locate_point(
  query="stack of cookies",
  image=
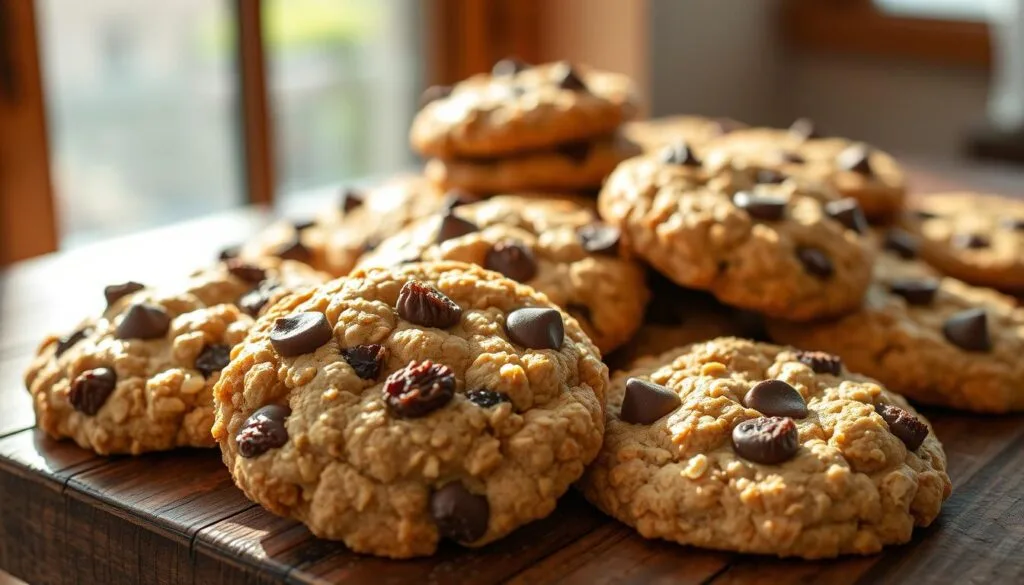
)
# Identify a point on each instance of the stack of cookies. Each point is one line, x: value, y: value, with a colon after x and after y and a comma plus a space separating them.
x: 550, y: 127
x: 453, y: 382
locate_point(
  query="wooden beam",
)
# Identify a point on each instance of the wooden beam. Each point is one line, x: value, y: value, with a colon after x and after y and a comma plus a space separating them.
x: 256, y: 128
x: 28, y: 226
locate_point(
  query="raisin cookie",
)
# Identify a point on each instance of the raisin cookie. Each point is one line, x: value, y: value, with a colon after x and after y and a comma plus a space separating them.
x: 654, y: 134
x: 140, y: 377
x: 521, y: 108
x: 356, y: 222
x: 576, y: 166
x: 397, y: 407
x: 556, y: 245
x: 935, y: 340
x: 976, y: 238
x: 783, y: 249
x: 749, y: 447
x: 853, y: 169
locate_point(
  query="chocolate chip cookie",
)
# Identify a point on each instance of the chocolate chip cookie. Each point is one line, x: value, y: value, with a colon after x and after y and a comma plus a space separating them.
x: 976, y: 238
x: 556, y: 245
x: 780, y: 248
x: 749, y: 447
x: 397, y: 407
x: 867, y: 174
x: 355, y: 222
x: 654, y: 134
x: 575, y: 166
x: 935, y: 340
x: 140, y: 376
x: 522, y: 108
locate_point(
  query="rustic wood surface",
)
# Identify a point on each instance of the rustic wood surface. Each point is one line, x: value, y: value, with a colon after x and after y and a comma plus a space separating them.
x: 68, y: 516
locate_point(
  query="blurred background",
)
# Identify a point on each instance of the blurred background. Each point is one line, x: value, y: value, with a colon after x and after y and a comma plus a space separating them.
x: 121, y: 115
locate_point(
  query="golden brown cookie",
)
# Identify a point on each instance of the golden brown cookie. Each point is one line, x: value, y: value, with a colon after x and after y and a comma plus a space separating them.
x: 140, y: 376
x: 522, y: 109
x: 750, y: 447
x: 394, y: 408
x: 555, y: 244
x: 656, y: 133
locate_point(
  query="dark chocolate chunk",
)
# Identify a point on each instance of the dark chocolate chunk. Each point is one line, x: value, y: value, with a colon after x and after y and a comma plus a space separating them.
x: 970, y: 241
x: 902, y: 243
x: 848, y: 212
x: 645, y: 402
x: 300, y: 333
x: 536, y: 328
x: 459, y: 514
x: 776, y: 398
x: 856, y: 158
x: 907, y: 427
x: 821, y: 362
x: 679, y: 153
x: 68, y: 341
x: 263, y: 430
x: 815, y: 262
x: 764, y: 207
x: 213, y: 358
x: 142, y: 321
x: 600, y: 238
x: 366, y: 360
x: 766, y: 440
x: 453, y: 226
x: 245, y: 271
x: 116, y: 292
x: 914, y: 290
x: 567, y: 78
x: 91, y: 389
x: 968, y: 330
x: 512, y: 259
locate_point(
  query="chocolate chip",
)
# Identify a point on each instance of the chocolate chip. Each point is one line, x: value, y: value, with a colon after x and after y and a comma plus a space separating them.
x: 776, y: 398
x: 924, y: 214
x: 1013, y: 223
x: 253, y: 301
x: 351, y: 199
x: 645, y: 402
x: 915, y: 291
x: 679, y: 153
x: 366, y: 360
x: 453, y: 226
x: 143, y: 321
x: 848, y: 212
x: 91, y: 389
x: 294, y: 250
x: 536, y: 328
x: 766, y: 207
x: 803, y: 128
x: 245, y: 271
x: 855, y: 158
x: 512, y: 259
x: 907, y: 427
x: 263, y: 430
x: 456, y: 198
x: 68, y: 341
x: 821, y: 362
x: 769, y: 177
x: 419, y: 389
x: 965, y: 241
x: 230, y: 252
x: 792, y: 157
x: 434, y: 93
x: 486, y: 398
x: 302, y: 224
x: 903, y: 243
x: 767, y: 440
x: 116, y: 292
x: 508, y: 66
x: 600, y: 238
x: 815, y: 262
x: 213, y: 358
x: 577, y: 152
x: 300, y: 333
x: 424, y: 305
x: 567, y: 78
x: 459, y: 514
x: 968, y: 330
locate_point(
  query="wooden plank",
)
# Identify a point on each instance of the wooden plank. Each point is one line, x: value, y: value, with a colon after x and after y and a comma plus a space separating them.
x: 28, y: 226
x: 252, y: 546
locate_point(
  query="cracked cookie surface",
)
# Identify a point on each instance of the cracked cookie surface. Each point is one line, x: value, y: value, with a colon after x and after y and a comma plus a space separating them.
x: 555, y: 244
x: 820, y: 462
x: 935, y: 340
x: 772, y: 247
x: 140, y: 376
x: 534, y: 108
x: 398, y: 406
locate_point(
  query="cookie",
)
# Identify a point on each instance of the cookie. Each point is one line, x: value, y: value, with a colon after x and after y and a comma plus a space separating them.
x: 556, y: 245
x: 522, y: 109
x: 750, y: 447
x: 935, y: 340
x: 575, y: 166
x: 140, y: 376
x: 976, y: 238
x: 854, y: 169
x: 397, y: 407
x: 656, y: 133
x: 783, y: 249
x: 356, y: 222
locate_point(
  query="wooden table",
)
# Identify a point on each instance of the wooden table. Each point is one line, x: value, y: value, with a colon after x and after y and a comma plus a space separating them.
x: 68, y: 516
